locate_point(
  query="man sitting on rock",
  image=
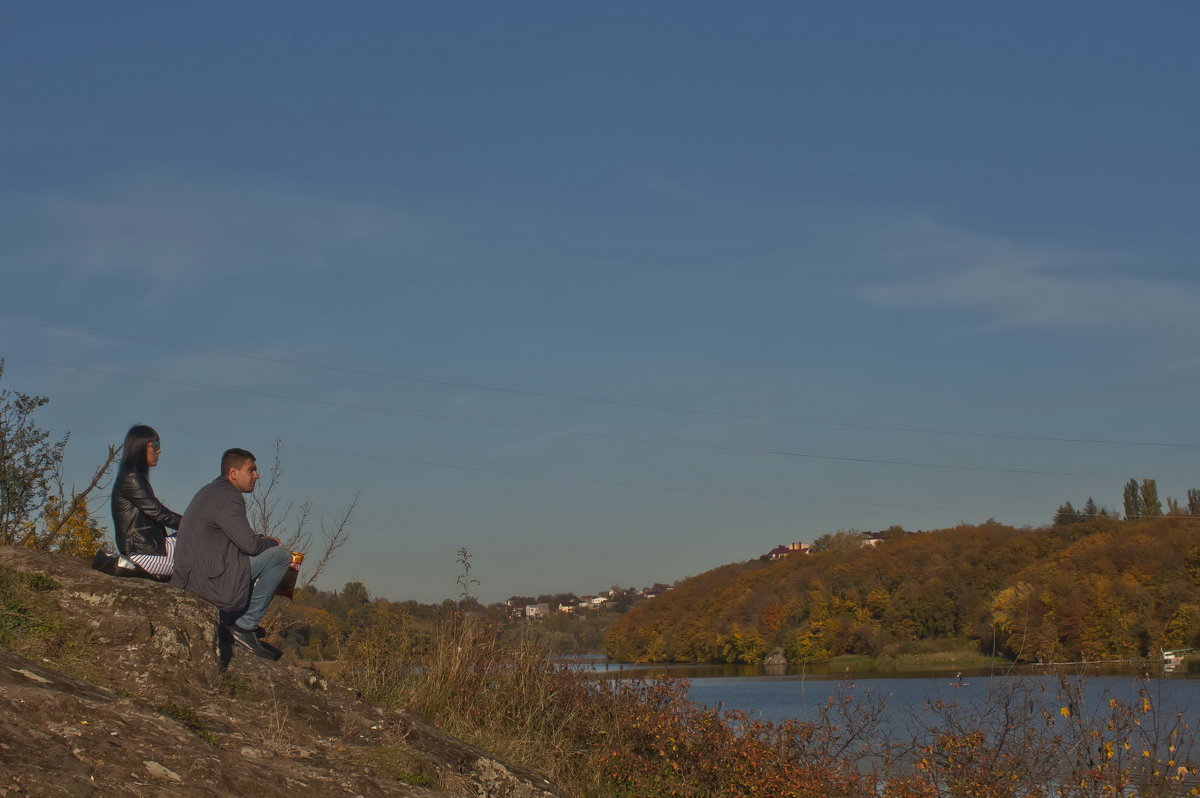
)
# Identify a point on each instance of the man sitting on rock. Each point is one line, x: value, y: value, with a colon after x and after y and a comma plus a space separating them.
x: 221, y: 559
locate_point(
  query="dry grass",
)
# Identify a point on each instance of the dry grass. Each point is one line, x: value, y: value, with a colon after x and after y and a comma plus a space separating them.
x: 34, y: 626
x: 603, y: 739
x: 596, y: 738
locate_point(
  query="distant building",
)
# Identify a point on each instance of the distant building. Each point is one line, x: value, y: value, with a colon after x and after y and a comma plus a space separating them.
x: 537, y: 611
x: 779, y: 552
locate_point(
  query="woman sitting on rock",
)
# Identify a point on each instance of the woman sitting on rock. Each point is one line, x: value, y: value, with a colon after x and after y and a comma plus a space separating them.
x: 140, y: 520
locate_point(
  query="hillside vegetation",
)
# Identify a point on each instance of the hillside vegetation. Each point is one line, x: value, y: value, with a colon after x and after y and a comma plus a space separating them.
x: 124, y: 687
x: 1100, y: 589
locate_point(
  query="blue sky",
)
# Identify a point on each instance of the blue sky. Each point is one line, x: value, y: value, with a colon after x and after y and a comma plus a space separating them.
x: 490, y: 259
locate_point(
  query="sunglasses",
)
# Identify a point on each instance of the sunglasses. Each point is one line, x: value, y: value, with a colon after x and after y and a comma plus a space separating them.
x: 156, y: 446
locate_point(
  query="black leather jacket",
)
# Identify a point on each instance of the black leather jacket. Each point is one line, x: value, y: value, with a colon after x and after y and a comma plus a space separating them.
x: 139, y: 518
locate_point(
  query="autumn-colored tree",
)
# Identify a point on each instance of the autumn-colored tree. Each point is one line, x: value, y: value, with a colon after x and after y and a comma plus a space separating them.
x: 35, y: 509
x: 79, y: 533
x: 1116, y: 593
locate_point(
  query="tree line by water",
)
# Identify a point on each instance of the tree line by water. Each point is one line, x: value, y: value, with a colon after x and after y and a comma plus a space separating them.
x: 1093, y: 589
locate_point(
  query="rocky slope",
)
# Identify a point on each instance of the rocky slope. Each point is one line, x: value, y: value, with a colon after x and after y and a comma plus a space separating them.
x: 126, y: 692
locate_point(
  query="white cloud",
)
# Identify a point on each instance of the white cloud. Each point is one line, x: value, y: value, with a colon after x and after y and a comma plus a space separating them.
x: 1016, y: 286
x: 175, y: 231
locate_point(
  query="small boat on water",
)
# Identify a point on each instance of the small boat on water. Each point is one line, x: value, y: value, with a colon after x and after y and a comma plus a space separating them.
x: 958, y: 682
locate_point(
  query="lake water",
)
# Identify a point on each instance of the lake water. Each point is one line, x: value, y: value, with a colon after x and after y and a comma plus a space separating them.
x: 915, y: 705
x: 778, y: 693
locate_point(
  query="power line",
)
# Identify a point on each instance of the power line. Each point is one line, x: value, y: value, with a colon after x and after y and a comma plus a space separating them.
x: 600, y: 401
x: 583, y: 480
x: 591, y: 481
x: 564, y: 431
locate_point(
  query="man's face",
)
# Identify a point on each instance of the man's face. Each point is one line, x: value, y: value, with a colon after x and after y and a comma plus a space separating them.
x: 245, y: 476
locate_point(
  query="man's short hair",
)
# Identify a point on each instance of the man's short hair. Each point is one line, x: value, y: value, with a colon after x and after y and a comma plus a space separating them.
x: 235, y: 458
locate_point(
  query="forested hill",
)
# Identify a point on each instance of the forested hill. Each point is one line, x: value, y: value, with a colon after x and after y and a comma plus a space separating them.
x: 1100, y: 589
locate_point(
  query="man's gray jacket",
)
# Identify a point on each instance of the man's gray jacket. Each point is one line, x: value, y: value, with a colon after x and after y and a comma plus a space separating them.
x: 212, y: 555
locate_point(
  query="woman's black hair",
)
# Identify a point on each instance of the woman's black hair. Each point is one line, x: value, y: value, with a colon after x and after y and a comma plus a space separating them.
x: 134, y: 456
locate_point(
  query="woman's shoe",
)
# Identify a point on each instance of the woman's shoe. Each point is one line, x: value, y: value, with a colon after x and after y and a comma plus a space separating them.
x: 105, y: 563
x: 116, y: 565
x: 141, y: 573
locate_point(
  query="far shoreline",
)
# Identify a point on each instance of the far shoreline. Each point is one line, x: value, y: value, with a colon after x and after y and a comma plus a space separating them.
x: 939, y: 665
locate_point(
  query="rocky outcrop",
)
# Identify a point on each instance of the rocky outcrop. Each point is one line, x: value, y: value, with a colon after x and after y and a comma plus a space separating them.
x: 141, y: 700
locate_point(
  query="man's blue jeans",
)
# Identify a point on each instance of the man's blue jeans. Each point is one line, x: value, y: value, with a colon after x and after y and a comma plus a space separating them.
x: 266, y: 570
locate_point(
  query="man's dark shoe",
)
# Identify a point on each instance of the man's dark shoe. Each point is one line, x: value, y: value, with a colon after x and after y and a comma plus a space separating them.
x: 249, y: 641
x: 144, y: 574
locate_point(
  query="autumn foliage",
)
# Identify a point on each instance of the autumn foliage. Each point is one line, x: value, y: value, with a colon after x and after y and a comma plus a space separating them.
x: 1101, y: 589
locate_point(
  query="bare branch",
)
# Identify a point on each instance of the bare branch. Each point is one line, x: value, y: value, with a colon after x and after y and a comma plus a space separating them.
x: 263, y: 502
x: 335, y: 538
x: 77, y: 502
x: 301, y: 538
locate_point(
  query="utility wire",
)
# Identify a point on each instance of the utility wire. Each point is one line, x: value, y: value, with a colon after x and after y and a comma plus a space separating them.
x: 564, y: 431
x: 599, y: 401
x: 584, y: 480
x: 590, y: 481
